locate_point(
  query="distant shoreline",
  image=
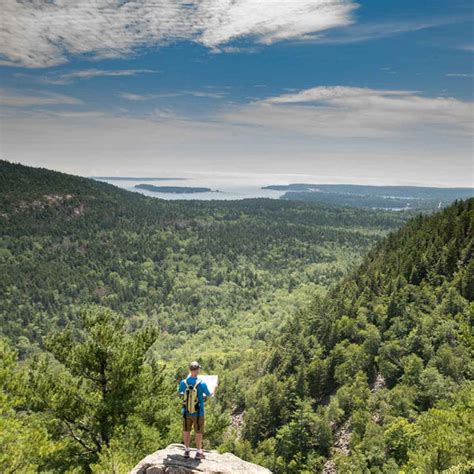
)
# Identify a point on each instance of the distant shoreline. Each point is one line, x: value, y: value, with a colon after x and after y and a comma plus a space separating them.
x: 393, y: 198
x: 347, y: 187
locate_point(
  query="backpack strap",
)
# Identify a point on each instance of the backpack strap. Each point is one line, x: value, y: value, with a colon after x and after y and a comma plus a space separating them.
x: 198, y: 405
x: 185, y: 399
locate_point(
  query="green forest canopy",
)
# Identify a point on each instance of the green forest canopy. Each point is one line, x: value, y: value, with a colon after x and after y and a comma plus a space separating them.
x: 385, y: 355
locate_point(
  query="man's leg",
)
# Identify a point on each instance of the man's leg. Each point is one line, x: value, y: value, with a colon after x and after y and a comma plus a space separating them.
x: 199, y: 431
x: 186, y: 436
x: 186, y: 439
x: 199, y: 441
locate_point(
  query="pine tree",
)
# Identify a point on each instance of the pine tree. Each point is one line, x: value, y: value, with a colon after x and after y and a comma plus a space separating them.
x: 94, y: 381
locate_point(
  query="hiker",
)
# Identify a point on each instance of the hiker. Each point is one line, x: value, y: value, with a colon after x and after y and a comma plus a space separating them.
x: 194, y: 392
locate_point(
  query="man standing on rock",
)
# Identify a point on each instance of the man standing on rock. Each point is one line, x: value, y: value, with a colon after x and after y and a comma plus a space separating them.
x: 194, y: 392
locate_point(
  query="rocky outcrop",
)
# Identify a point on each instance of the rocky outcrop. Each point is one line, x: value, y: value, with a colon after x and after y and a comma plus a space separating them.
x: 171, y: 461
x: 237, y: 422
x: 342, y: 437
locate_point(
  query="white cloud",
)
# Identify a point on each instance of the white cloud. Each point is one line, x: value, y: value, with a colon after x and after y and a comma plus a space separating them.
x: 209, y: 95
x: 269, y: 20
x: 135, y: 97
x: 41, y: 34
x: 13, y: 99
x: 370, y: 31
x: 144, y: 97
x: 68, y: 77
x: 460, y: 74
x: 346, y: 112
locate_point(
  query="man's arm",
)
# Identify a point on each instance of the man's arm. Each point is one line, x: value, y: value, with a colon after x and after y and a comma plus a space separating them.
x: 181, y: 388
x: 205, y: 390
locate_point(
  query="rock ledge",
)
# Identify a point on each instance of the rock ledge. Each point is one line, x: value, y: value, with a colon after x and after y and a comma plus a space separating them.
x: 171, y: 461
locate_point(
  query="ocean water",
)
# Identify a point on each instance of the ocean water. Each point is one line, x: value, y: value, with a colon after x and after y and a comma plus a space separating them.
x: 229, y: 188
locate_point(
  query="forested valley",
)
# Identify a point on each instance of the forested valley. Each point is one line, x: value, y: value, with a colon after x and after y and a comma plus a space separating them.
x: 342, y: 337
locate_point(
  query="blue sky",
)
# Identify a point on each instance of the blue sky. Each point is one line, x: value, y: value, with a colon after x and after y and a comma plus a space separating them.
x: 339, y: 91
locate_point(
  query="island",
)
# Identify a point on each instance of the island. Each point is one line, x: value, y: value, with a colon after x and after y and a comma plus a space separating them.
x: 173, y: 189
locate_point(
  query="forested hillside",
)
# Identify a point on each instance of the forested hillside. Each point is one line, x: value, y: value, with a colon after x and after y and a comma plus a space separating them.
x: 213, y: 269
x: 324, y: 352
x: 377, y: 374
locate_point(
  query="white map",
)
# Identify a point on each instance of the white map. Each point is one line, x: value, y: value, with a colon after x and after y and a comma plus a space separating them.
x: 211, y: 381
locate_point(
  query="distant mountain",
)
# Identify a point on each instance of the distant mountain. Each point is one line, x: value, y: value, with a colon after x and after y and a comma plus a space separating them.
x: 382, y: 197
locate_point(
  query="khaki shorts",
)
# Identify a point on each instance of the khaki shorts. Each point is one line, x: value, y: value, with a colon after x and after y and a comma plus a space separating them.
x: 193, y: 421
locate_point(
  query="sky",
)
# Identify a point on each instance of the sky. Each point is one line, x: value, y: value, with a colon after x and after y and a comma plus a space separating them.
x: 335, y: 91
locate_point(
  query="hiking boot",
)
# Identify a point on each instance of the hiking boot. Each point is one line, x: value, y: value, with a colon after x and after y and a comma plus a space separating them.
x: 186, y: 454
x: 200, y: 455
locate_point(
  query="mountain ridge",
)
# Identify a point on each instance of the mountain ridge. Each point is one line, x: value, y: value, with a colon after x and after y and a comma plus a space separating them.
x: 404, y: 317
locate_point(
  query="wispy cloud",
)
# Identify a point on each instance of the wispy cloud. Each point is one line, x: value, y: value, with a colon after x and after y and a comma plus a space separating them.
x: 460, y: 74
x: 41, y: 34
x: 14, y: 99
x: 270, y: 20
x: 209, y: 95
x: 346, y: 112
x: 145, y: 97
x: 136, y: 97
x: 358, y: 33
x: 68, y: 77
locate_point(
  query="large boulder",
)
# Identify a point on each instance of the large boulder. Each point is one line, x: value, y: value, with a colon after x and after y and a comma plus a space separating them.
x: 171, y: 461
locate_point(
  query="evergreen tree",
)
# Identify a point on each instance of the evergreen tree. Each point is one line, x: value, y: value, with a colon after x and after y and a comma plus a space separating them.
x: 95, y: 383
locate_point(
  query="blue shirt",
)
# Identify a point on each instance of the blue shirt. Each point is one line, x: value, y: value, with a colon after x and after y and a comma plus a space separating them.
x: 202, y: 391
